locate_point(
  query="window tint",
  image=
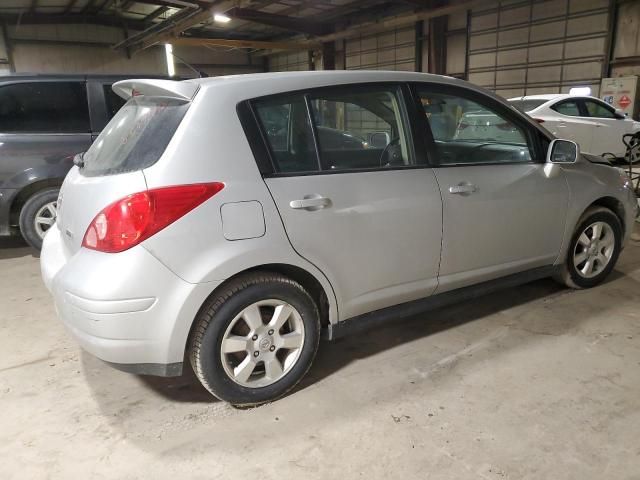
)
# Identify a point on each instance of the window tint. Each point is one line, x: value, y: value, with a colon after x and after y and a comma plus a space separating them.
x: 285, y: 123
x: 527, y: 105
x: 569, y: 108
x: 360, y: 128
x: 598, y: 110
x: 44, y: 107
x: 112, y: 100
x: 136, y: 136
x: 466, y: 132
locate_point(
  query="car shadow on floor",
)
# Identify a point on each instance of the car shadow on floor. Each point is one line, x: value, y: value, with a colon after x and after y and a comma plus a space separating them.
x: 16, y: 247
x: 333, y: 356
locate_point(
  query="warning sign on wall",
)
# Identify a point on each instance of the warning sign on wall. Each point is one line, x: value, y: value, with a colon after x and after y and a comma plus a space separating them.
x: 620, y: 93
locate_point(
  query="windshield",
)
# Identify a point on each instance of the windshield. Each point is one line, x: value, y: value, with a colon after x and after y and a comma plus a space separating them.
x: 527, y: 105
x: 136, y: 136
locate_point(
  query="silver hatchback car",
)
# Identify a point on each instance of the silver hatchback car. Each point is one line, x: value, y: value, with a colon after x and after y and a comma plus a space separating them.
x: 233, y: 221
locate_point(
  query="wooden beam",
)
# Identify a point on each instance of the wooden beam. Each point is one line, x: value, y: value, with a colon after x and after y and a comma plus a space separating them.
x: 253, y: 44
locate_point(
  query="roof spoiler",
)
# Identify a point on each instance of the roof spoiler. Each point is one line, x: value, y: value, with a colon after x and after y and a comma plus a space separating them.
x: 184, y: 91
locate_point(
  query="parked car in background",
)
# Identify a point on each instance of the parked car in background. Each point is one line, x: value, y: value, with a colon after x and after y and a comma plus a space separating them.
x: 45, y: 120
x: 211, y: 220
x: 595, y: 125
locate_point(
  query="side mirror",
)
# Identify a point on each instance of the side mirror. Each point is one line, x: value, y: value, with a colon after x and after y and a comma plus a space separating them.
x: 563, y: 151
x: 379, y: 139
x: 620, y: 114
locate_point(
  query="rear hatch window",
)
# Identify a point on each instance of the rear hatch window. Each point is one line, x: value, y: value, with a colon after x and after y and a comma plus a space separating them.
x: 136, y: 136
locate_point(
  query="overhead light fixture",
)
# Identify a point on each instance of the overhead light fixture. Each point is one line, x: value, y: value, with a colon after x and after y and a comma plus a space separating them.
x: 221, y: 18
x: 582, y: 91
x: 168, y: 51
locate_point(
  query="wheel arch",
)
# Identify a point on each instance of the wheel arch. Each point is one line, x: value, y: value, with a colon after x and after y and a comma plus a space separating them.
x: 27, y: 192
x: 325, y: 300
x: 612, y: 204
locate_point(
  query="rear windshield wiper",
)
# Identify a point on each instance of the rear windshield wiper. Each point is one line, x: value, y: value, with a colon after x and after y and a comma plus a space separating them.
x: 78, y: 160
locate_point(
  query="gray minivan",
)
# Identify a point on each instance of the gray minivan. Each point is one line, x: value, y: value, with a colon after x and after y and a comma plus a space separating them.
x: 45, y: 120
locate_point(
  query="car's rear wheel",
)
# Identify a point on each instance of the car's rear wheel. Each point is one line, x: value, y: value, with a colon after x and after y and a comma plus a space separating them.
x: 594, y: 249
x: 255, y: 340
x: 37, y: 216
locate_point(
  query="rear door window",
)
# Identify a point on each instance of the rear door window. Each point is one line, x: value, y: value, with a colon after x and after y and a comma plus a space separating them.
x: 597, y: 110
x: 44, y: 107
x: 136, y: 136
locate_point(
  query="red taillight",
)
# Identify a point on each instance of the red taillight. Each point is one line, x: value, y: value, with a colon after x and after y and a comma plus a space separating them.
x: 130, y: 220
x: 539, y: 120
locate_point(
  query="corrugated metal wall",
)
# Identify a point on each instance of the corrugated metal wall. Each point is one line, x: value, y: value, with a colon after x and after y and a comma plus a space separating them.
x: 289, y: 62
x: 394, y: 50
x: 533, y: 46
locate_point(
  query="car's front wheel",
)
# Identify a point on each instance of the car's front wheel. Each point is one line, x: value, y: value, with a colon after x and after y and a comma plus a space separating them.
x: 254, y: 340
x: 594, y: 249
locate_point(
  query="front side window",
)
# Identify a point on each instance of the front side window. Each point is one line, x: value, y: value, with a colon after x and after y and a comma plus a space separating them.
x: 466, y: 132
x: 44, y: 107
x: 569, y: 108
x: 598, y: 110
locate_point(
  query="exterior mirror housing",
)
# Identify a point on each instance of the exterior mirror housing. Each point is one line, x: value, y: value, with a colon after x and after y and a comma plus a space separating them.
x: 563, y: 151
x: 620, y: 114
x: 379, y: 139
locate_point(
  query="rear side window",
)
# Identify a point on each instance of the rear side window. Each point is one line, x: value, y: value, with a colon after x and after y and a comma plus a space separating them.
x: 285, y: 123
x: 113, y: 101
x: 526, y: 105
x: 569, y: 108
x: 136, y: 136
x: 44, y: 107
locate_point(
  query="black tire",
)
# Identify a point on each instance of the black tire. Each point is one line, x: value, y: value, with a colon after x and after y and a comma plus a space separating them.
x: 217, y: 314
x: 569, y: 274
x: 28, y: 215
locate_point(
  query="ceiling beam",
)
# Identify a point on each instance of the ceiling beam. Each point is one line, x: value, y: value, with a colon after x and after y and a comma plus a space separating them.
x: 70, y: 19
x: 384, y: 25
x: 170, y: 30
x: 296, y: 24
x: 252, y: 44
x: 155, y: 14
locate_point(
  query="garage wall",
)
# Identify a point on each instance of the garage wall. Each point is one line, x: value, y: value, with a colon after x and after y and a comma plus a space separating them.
x: 626, y: 52
x: 289, y: 61
x: 533, y: 46
x: 87, y: 49
x: 393, y: 50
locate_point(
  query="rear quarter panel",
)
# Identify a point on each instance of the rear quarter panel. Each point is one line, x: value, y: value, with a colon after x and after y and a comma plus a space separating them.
x: 210, y: 146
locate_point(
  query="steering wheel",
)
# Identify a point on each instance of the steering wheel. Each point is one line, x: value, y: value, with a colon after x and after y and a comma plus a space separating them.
x: 386, y: 149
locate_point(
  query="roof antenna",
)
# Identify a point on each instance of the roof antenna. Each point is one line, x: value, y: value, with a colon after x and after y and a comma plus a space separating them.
x: 200, y: 73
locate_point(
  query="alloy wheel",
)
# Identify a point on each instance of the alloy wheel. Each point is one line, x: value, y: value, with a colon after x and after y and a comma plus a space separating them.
x: 594, y: 249
x: 262, y: 343
x: 45, y: 217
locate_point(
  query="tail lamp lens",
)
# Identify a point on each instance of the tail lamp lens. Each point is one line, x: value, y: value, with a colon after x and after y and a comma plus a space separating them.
x: 134, y: 218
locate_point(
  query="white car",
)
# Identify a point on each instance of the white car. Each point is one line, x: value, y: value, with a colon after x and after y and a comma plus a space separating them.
x: 595, y: 125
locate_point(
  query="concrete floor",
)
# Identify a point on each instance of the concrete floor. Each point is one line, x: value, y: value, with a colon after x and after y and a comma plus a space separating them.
x: 535, y: 382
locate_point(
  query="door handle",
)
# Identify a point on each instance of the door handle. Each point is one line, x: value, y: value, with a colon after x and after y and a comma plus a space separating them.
x: 463, y: 189
x: 310, y: 203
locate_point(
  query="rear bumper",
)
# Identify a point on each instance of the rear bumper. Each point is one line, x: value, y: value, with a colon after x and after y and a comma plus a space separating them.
x: 127, y: 309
